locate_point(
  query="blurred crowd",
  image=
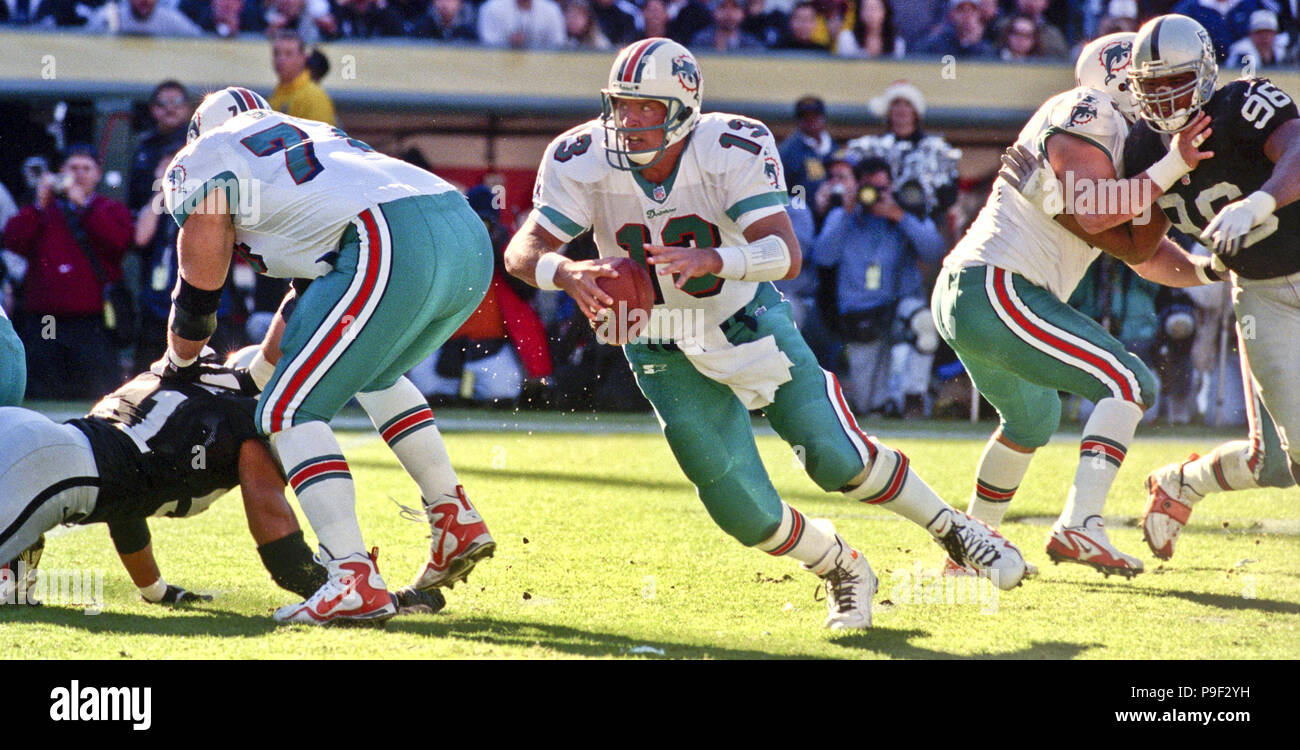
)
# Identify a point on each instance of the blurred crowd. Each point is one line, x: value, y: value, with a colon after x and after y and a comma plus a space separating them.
x: 1264, y: 31
x: 88, y: 279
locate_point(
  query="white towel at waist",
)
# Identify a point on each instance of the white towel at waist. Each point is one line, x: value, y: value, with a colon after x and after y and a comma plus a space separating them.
x: 752, y: 371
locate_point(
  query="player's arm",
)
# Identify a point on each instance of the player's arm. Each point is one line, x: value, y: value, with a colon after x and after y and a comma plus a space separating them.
x: 207, y: 239
x: 1087, y: 168
x: 533, y: 256
x: 135, y: 550
x: 1171, y: 265
x: 274, y: 527
x: 773, y: 254
x: 1283, y: 149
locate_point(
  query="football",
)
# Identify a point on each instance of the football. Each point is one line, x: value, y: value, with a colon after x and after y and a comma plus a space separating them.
x: 633, y: 299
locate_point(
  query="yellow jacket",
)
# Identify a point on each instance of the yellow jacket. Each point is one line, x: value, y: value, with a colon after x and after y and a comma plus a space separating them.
x: 303, y: 97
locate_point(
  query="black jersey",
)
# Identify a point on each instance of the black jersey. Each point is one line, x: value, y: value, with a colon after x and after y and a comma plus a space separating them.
x: 1243, y: 115
x: 167, y: 448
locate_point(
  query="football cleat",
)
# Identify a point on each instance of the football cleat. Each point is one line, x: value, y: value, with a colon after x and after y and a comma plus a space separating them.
x: 412, y: 601
x: 1089, y: 545
x: 460, y: 539
x: 354, y: 594
x: 1167, y: 508
x: 850, y: 585
x: 969, y: 542
x: 951, y: 568
x: 19, y: 575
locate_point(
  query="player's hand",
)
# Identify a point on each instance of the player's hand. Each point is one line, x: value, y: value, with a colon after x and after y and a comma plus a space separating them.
x: 1188, y: 142
x: 166, y: 369
x: 685, y: 263
x: 1031, y: 176
x: 577, y: 278
x: 1227, y: 231
x: 177, y: 595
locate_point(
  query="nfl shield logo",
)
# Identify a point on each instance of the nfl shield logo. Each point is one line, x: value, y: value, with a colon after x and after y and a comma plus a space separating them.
x: 660, y: 193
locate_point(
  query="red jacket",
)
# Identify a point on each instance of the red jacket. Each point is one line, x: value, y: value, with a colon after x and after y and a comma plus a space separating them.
x: 59, y: 278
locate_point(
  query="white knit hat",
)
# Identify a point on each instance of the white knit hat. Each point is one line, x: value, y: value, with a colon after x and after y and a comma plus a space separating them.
x: 898, y: 90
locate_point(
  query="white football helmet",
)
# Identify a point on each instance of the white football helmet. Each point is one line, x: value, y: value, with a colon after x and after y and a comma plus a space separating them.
x: 240, y: 359
x: 1103, y: 65
x: 658, y: 69
x: 1167, y: 46
x: 220, y: 106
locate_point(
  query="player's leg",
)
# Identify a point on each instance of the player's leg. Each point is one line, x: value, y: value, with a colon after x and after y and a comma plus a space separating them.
x: 462, y: 270
x: 811, y: 414
x: 1272, y: 310
x: 47, y: 477
x: 1258, y: 461
x: 710, y: 434
x: 13, y: 365
x: 1024, y: 329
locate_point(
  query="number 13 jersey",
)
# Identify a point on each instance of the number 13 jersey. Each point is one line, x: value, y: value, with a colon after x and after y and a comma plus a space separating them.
x: 728, y: 176
x: 1243, y: 114
x: 293, y: 186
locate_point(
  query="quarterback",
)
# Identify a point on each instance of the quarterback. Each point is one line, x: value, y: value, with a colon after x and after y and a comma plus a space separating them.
x: 699, y: 199
x: 1000, y: 303
x: 1242, y: 203
x: 151, y: 448
x: 397, y: 261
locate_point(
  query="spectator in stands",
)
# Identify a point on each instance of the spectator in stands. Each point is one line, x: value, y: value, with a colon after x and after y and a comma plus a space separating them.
x: 408, y: 15
x: 521, y: 24
x: 309, y: 19
x: 870, y: 250
x: 226, y: 18
x: 766, y: 24
x: 800, y: 32
x: 21, y: 12
x: 1263, y: 47
x: 832, y: 16
x: 170, y: 108
x: 872, y: 34
x: 1226, y: 21
x: 1019, y: 39
x: 725, y: 34
x: 296, y: 94
x: 62, y: 300
x: 1050, y: 40
x: 804, y: 153
x: 687, y: 18
x: 144, y: 17
x: 962, y: 35
x: 580, y: 28
x: 916, y: 19
x: 837, y: 190
x: 448, y: 20
x: 654, y: 17
x: 363, y: 19
x: 618, y: 21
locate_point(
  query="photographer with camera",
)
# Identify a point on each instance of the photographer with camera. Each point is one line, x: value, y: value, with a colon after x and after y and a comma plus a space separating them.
x: 871, y: 291
x: 73, y: 239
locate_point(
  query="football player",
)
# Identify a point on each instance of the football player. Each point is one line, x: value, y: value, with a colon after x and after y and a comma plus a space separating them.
x: 154, y: 447
x: 699, y: 200
x: 397, y: 261
x: 1000, y: 302
x: 1242, y: 204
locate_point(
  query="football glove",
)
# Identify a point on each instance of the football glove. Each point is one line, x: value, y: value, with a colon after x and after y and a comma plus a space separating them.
x: 1227, y: 231
x: 177, y: 595
x: 167, y: 369
x: 1033, y: 178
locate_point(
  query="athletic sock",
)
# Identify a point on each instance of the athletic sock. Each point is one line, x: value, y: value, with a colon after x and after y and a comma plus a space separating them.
x: 996, y: 481
x: 806, y: 542
x: 1105, y: 442
x: 291, y: 565
x: 1224, y: 469
x: 890, y: 482
x: 319, y: 475
x: 403, y: 418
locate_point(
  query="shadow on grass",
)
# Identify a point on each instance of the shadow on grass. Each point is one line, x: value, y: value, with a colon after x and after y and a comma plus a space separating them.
x: 209, y: 622
x: 897, y: 644
x: 1221, y: 601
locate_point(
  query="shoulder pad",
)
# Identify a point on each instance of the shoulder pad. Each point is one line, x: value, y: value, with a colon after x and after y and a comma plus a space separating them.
x: 579, y: 153
x: 1086, y: 112
x: 718, y: 155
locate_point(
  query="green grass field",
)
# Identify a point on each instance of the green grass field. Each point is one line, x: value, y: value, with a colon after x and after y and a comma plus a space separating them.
x: 605, y: 552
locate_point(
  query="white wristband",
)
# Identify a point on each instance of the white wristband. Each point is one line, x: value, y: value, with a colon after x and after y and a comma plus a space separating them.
x: 260, y: 370
x: 545, y: 270
x: 154, y: 592
x: 1168, y: 170
x: 766, y: 259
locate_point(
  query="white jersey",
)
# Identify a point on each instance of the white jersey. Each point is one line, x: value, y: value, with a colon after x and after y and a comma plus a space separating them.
x: 293, y: 185
x: 729, y: 176
x: 1012, y: 233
